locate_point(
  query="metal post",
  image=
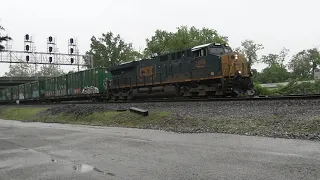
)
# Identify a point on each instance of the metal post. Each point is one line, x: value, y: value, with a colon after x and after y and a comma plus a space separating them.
x: 91, y: 61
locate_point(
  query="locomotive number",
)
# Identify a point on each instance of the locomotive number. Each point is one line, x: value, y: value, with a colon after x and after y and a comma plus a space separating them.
x: 146, y: 71
x: 201, y: 63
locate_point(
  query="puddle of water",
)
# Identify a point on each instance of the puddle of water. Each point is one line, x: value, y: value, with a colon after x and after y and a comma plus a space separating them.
x: 86, y: 168
x: 83, y: 168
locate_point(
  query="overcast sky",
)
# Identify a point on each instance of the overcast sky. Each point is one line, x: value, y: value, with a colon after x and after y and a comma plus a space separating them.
x: 274, y: 23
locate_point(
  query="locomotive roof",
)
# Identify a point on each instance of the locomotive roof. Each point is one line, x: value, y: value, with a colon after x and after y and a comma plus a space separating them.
x: 200, y: 46
x: 132, y: 63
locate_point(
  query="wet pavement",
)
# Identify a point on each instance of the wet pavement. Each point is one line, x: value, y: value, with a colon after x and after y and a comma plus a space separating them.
x: 56, y: 151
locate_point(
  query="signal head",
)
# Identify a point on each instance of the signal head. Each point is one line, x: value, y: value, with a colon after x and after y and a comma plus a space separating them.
x: 27, y: 47
x: 27, y: 37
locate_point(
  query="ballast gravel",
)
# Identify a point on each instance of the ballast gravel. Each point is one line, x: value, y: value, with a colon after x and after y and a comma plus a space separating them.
x: 272, y: 118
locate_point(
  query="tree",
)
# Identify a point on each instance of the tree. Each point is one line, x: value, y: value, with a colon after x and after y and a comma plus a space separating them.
x: 274, y: 73
x: 276, y: 70
x: 314, y: 56
x: 20, y: 70
x: 249, y: 49
x: 304, y: 63
x: 50, y: 70
x: 275, y: 59
x: 27, y: 70
x: 3, y: 38
x: 159, y: 43
x: 111, y: 50
x: 163, y: 42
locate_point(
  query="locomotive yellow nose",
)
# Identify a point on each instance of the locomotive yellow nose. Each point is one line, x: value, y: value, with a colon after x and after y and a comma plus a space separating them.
x: 232, y: 64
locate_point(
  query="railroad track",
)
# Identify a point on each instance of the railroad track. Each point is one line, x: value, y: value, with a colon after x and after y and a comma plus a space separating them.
x: 256, y: 98
x: 287, y: 97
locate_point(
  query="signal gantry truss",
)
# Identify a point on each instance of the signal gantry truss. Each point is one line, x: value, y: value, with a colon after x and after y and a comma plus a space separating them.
x: 44, y: 58
x: 30, y: 56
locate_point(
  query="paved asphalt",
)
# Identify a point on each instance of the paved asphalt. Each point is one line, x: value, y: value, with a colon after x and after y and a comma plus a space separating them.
x: 32, y: 151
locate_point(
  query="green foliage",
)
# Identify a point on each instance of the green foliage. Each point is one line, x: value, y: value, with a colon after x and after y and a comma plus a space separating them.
x: 3, y: 38
x: 262, y: 90
x: 50, y: 70
x: 292, y: 88
x: 300, y: 88
x: 304, y: 63
x: 20, y: 70
x: 275, y: 73
x: 110, y: 50
x: 24, y: 69
x: 249, y: 49
x: 275, y: 59
x: 163, y: 42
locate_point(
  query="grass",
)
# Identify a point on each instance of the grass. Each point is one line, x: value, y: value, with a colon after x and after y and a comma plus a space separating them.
x: 273, y: 126
x: 107, y: 118
x: 19, y: 113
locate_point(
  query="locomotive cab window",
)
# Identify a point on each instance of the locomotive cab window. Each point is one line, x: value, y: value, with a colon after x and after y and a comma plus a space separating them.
x: 227, y: 49
x: 216, y: 50
x: 200, y: 53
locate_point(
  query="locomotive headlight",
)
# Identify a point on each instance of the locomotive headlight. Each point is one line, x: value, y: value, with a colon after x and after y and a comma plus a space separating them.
x: 238, y: 72
x: 236, y: 56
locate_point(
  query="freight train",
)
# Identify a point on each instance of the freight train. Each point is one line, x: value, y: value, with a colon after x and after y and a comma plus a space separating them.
x: 207, y: 70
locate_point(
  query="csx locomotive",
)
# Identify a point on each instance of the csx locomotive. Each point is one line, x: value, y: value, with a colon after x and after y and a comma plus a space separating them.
x: 203, y: 71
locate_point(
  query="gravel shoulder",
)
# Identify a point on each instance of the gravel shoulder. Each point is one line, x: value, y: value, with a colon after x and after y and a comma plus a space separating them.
x: 297, y: 119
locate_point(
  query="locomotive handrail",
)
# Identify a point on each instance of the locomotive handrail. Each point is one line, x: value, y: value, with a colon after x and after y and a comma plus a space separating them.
x: 231, y: 68
x: 225, y: 68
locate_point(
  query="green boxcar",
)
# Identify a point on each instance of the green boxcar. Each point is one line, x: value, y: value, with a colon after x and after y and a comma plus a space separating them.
x: 2, y: 95
x: 15, y: 93
x: 61, y: 85
x: 28, y: 90
x: 21, y: 91
x: 37, y: 89
x: 76, y: 82
x: 6, y: 94
x: 49, y: 87
x: 95, y: 78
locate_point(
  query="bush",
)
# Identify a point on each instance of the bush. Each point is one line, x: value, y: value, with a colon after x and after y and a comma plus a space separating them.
x: 293, y: 88
x: 296, y: 88
x: 261, y: 90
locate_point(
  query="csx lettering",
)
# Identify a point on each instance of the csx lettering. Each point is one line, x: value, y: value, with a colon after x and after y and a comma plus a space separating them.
x: 146, y: 71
